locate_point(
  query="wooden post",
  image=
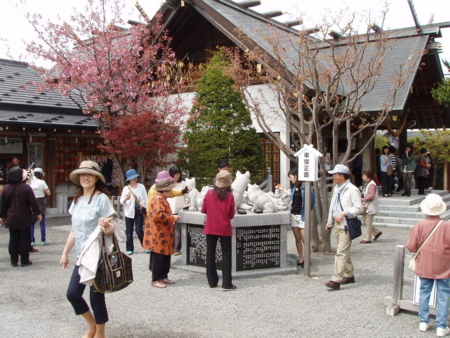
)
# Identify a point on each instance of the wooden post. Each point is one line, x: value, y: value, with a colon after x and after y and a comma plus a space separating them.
x: 397, y: 292
x: 307, y: 244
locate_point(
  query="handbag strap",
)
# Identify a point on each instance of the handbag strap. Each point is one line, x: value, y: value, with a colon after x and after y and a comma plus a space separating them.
x: 429, y: 236
x: 136, y: 199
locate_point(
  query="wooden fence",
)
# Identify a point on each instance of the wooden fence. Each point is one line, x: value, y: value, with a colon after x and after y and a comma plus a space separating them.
x: 395, y: 303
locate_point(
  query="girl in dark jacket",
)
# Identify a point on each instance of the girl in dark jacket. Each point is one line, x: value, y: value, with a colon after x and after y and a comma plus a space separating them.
x: 18, y: 202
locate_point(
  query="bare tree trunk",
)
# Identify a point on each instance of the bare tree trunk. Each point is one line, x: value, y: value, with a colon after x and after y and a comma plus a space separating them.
x: 119, y: 167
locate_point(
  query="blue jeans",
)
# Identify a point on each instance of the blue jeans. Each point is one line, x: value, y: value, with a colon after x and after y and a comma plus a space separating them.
x: 129, y: 224
x: 43, y: 233
x: 443, y: 291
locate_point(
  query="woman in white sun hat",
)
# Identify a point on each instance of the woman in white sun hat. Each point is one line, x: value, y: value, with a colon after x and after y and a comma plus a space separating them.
x: 432, y: 262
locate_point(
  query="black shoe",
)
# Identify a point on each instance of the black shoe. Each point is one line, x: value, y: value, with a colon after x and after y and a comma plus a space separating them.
x: 403, y: 194
x: 348, y: 280
x: 213, y: 286
x: 26, y: 264
x: 14, y: 265
x: 231, y: 288
x: 332, y: 285
x: 302, y: 264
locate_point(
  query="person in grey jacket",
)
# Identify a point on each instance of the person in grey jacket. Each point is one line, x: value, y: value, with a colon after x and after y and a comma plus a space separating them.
x: 345, y: 202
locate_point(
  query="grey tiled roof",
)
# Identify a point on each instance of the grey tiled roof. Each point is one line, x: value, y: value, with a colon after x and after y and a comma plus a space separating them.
x: 21, y: 105
x: 15, y: 89
x: 256, y: 28
x: 46, y: 119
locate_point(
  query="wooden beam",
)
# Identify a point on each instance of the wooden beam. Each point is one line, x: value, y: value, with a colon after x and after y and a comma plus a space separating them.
x: 291, y: 23
x: 249, y: 3
x: 272, y: 14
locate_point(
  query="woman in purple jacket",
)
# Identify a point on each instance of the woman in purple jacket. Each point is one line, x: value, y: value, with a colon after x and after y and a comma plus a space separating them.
x: 219, y: 207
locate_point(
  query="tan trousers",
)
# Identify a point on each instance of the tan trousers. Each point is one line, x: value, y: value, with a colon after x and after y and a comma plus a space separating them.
x: 343, y: 266
x: 367, y: 220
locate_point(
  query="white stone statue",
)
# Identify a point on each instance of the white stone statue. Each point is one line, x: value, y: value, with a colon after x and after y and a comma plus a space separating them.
x: 277, y: 200
x: 194, y: 196
x: 239, y: 186
x: 260, y: 200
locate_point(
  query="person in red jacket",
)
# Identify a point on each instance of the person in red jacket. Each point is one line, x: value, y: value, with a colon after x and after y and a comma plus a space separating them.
x: 219, y: 207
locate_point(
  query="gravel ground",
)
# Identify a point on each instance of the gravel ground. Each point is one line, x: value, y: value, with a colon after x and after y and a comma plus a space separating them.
x: 33, y: 303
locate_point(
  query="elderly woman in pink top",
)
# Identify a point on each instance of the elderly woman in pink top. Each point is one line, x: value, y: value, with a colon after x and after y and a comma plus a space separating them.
x: 219, y: 207
x: 432, y: 262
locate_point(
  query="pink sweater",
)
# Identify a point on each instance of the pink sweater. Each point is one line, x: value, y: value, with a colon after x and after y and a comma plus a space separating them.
x: 218, y: 214
x: 433, y: 261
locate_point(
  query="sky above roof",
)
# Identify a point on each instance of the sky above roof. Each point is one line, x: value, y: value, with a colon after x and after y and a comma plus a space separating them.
x: 15, y: 30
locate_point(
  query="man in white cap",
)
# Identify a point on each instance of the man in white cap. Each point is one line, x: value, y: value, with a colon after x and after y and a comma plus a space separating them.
x: 345, y: 202
x: 432, y: 262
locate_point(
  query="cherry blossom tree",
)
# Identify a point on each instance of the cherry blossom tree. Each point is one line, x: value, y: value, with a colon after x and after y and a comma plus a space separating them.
x: 123, y: 77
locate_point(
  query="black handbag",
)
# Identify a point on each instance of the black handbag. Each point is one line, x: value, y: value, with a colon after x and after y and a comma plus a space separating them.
x: 114, y: 271
x: 353, y: 224
x: 354, y: 227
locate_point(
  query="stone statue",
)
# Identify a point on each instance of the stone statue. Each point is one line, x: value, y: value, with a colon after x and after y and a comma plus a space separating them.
x: 194, y: 196
x: 239, y: 186
x: 260, y: 200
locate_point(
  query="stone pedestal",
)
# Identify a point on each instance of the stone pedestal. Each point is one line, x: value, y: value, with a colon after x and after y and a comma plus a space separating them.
x: 259, y: 244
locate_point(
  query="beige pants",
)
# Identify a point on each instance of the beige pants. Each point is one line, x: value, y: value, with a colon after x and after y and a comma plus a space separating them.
x: 370, y: 229
x: 343, y: 266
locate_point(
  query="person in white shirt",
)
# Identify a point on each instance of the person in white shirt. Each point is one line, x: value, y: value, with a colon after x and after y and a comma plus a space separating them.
x: 345, y: 203
x: 41, y: 192
x: 177, y: 203
x: 134, y: 199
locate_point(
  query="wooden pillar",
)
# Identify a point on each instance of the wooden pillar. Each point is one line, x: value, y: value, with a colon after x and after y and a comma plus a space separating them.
x: 368, y: 153
x: 49, y: 169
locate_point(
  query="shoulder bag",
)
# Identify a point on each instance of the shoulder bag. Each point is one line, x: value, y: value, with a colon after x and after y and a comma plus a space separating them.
x: 142, y: 210
x: 412, y: 260
x: 353, y: 225
x: 114, y: 271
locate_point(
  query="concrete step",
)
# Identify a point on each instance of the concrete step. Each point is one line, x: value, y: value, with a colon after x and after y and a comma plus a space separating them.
x: 396, y: 220
x: 397, y: 200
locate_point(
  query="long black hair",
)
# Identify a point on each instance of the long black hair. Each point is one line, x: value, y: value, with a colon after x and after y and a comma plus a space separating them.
x: 222, y: 193
x: 294, y: 172
x: 173, y: 170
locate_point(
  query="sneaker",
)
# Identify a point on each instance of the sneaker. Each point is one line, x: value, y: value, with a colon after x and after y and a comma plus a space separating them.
x: 440, y: 332
x: 34, y: 250
x: 177, y: 253
x: 146, y: 251
x: 43, y: 243
x: 32, y: 243
x: 231, y: 288
x: 129, y: 252
x: 429, y: 189
x: 423, y: 327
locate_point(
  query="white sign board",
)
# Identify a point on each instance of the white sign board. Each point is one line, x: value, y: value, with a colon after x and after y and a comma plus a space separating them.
x: 308, y: 163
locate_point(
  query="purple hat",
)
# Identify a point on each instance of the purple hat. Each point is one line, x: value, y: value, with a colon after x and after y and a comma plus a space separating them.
x: 163, y: 175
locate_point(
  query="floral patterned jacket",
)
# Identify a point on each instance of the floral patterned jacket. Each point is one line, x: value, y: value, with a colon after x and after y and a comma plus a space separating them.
x: 159, y: 227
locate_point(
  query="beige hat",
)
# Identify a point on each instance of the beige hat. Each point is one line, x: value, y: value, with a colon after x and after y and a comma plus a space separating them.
x: 223, y: 179
x: 164, y: 185
x: 433, y: 205
x: 86, y: 167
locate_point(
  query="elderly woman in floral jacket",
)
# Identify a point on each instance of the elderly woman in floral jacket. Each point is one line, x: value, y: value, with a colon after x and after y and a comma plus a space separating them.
x: 159, y: 233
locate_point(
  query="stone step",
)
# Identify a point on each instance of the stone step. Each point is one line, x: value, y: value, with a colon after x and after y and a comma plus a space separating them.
x: 398, y: 200
x: 409, y: 211
x: 396, y: 220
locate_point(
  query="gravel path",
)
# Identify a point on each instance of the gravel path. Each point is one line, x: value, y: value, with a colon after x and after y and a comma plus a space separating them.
x: 33, y: 303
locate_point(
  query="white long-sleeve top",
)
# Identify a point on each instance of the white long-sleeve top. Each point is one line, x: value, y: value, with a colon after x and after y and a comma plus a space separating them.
x: 129, y: 206
x: 177, y: 203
